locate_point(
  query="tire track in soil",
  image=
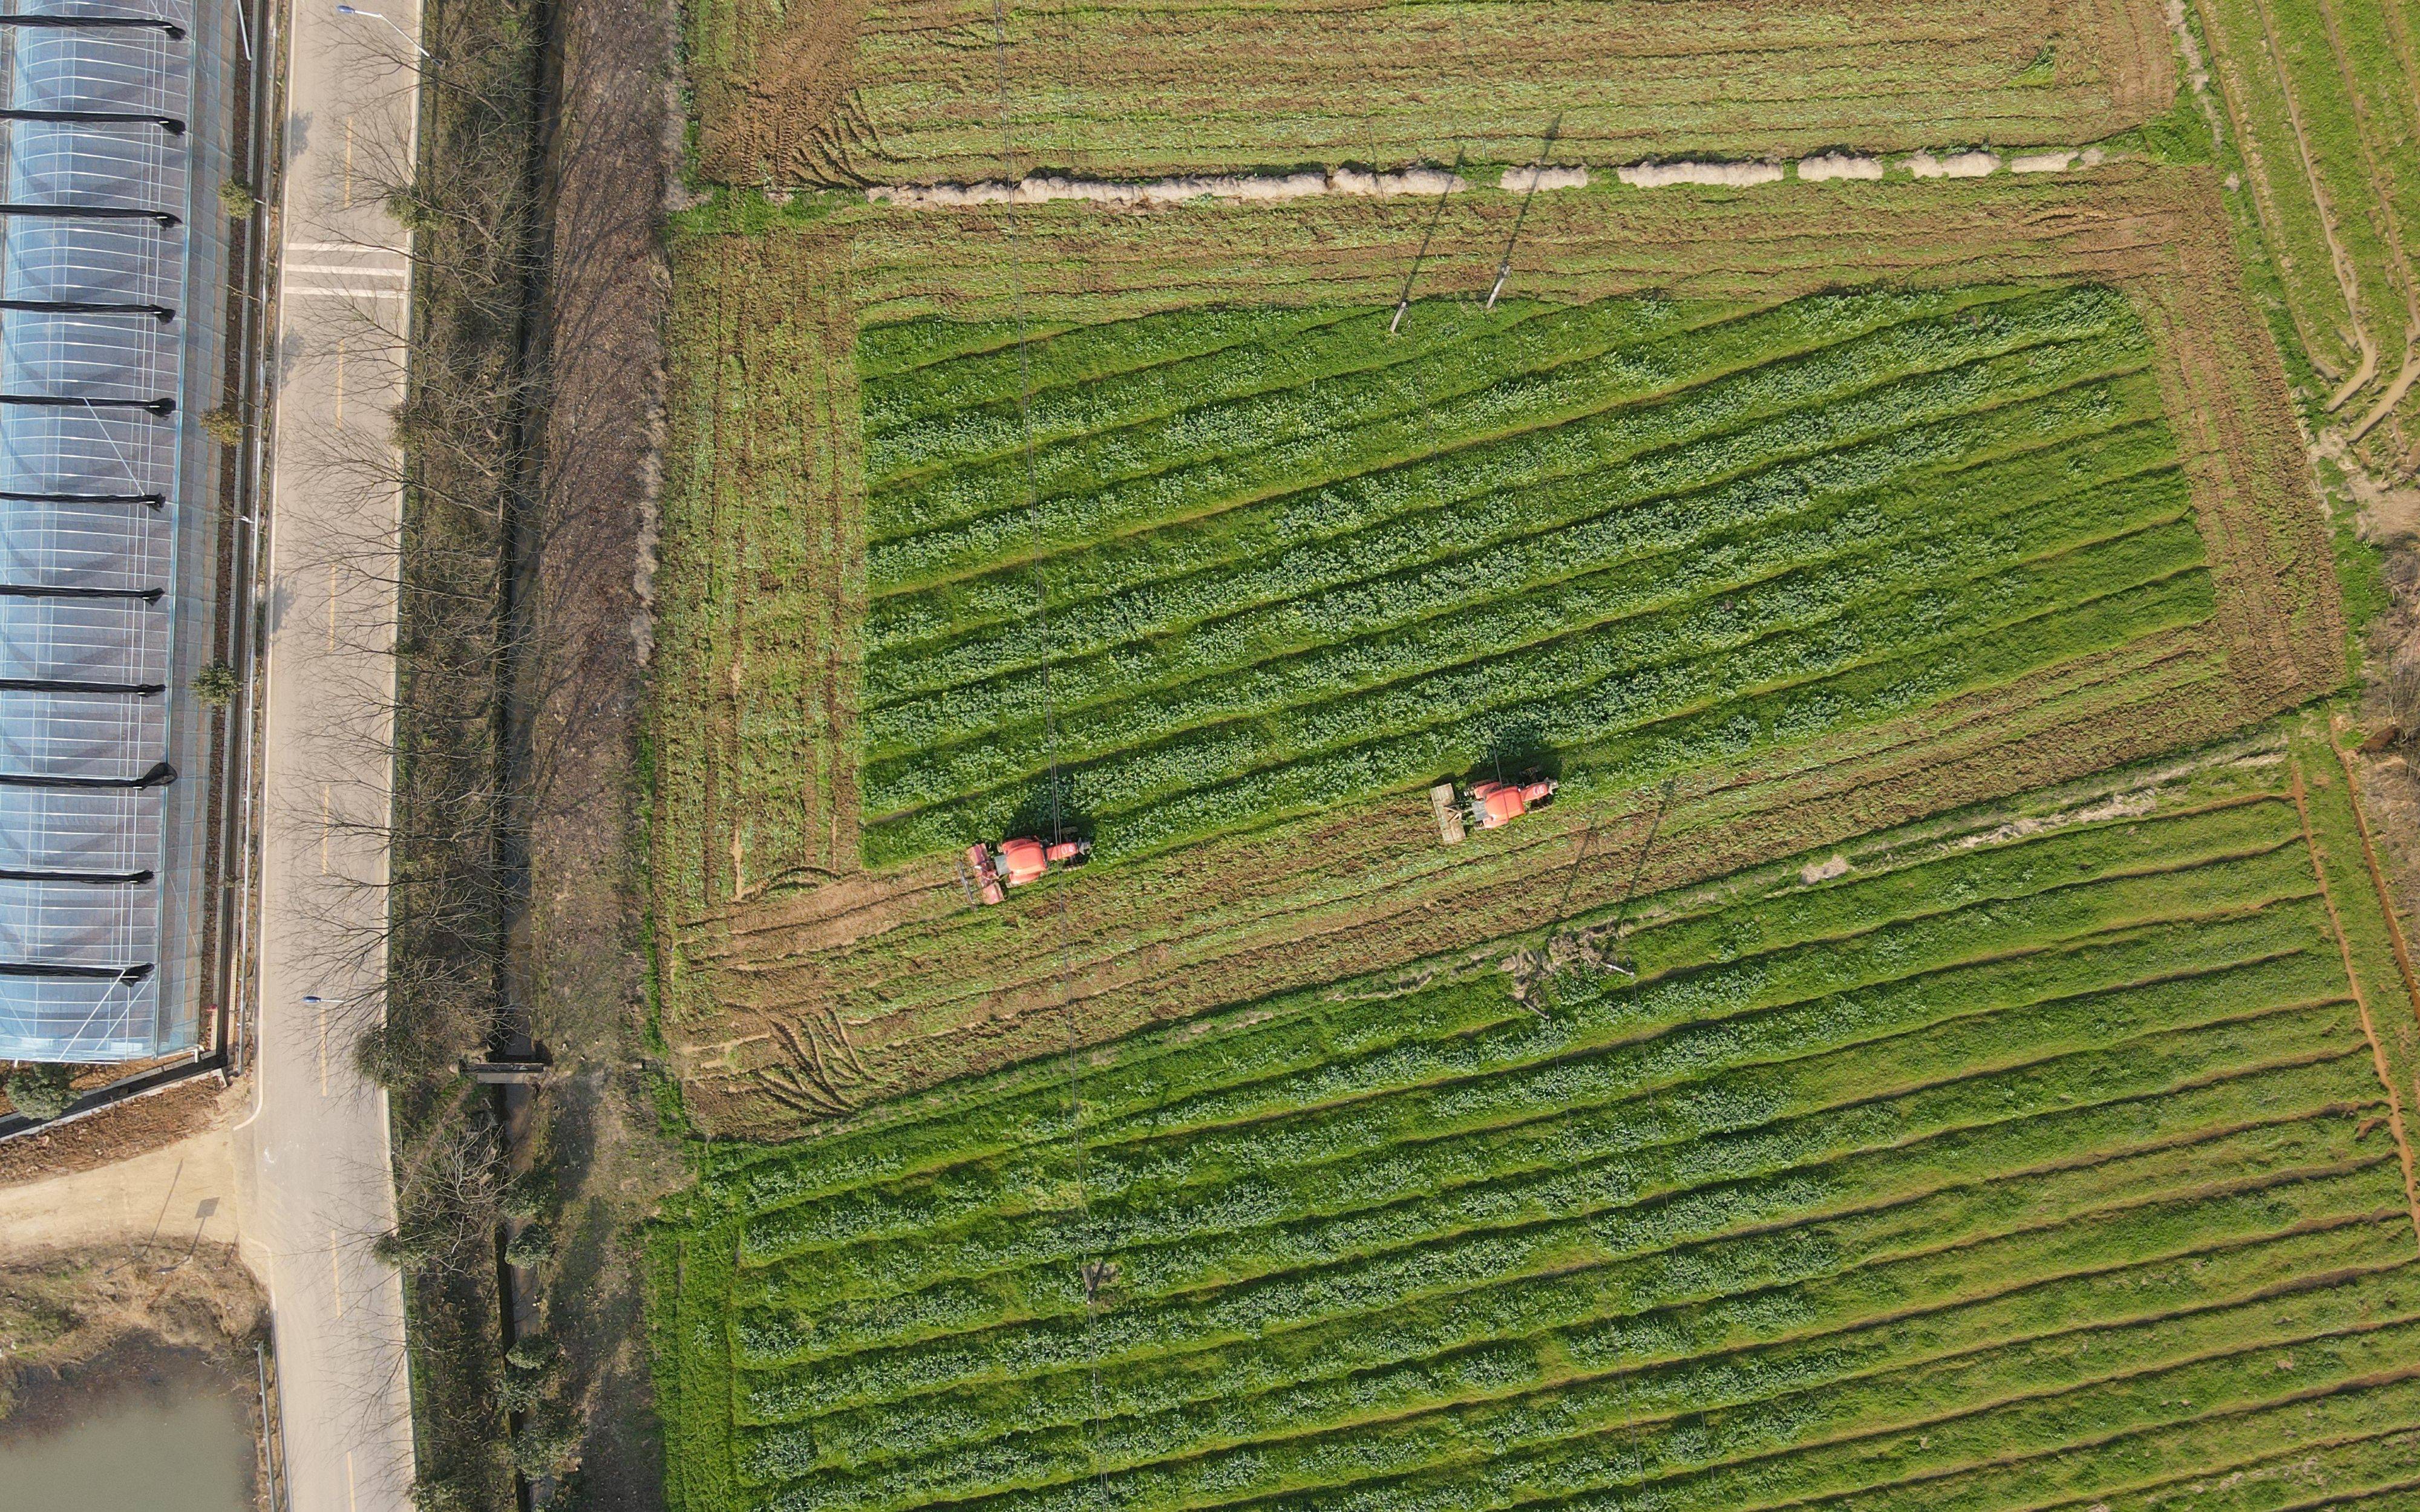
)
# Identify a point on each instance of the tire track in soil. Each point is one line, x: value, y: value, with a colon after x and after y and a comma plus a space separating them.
x: 2232, y: 88
x: 2347, y: 277
x: 2398, y: 266
x: 1439, y: 917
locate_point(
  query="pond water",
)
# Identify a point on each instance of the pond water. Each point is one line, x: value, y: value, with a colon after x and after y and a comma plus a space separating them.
x: 175, y: 1440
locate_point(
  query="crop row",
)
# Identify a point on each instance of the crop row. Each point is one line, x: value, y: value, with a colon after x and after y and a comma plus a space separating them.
x: 1801, y: 1168
x: 1518, y: 376
x: 1868, y: 930
x: 1425, y: 1090
x: 1048, y: 374
x: 1392, y: 1278
x: 2324, y: 91
x: 1301, y: 515
x: 1782, y: 696
x: 1538, y: 1328
x: 1633, y: 673
x: 1443, y: 351
x: 927, y: 367
x: 1389, y: 576
x: 1409, y: 1191
x: 1751, y: 1410
x: 1678, y: 502
x: 1615, y: 1209
x: 1655, y: 611
x: 1781, y: 690
x: 1908, y: 1188
x: 1877, y: 1262
x: 1523, y: 429
x: 1197, y: 572
x: 1748, y: 1459
x: 909, y: 430
x: 1865, y: 930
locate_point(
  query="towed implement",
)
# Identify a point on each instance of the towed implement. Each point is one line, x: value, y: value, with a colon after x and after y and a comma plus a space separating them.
x: 987, y: 872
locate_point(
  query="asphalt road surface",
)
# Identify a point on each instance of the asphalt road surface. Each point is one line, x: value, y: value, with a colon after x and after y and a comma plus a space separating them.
x: 312, y: 1159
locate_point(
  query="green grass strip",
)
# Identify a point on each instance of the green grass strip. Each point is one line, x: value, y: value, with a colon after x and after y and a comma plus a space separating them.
x: 1304, y: 1049
x: 1594, y: 1015
x: 1027, y: 1347
x: 1782, y: 580
x: 1697, y: 542
x: 1191, y: 572
x: 1522, y: 431
x: 1523, y: 1334
x: 1191, y: 1236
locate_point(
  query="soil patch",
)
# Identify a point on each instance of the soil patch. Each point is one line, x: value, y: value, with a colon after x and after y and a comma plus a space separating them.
x: 91, y: 1321
x: 115, y: 1133
x: 938, y: 92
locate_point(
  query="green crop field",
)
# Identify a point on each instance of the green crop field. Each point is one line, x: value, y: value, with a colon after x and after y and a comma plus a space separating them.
x: 2040, y: 1164
x: 1218, y: 567
x: 2323, y: 119
x: 1948, y: 1043
x: 1754, y: 562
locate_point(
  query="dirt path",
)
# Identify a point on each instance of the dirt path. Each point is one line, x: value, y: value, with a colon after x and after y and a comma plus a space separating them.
x: 185, y: 1193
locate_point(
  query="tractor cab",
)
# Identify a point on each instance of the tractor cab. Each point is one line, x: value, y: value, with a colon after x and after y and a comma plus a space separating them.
x: 1490, y: 805
x: 987, y: 872
x: 1494, y: 805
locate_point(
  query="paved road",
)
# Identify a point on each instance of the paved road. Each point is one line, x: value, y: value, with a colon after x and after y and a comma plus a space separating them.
x: 311, y: 1157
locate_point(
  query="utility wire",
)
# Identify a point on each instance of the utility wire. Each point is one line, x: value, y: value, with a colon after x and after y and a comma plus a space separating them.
x: 1087, y: 1271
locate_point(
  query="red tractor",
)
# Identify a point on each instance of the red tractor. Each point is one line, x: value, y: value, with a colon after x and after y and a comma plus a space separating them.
x: 989, y: 870
x: 1489, y: 804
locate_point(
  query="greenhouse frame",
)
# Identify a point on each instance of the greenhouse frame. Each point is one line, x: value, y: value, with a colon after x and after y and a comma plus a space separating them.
x: 112, y: 315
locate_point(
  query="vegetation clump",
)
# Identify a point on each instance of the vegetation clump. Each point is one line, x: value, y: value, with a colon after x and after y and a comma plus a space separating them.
x: 39, y: 1090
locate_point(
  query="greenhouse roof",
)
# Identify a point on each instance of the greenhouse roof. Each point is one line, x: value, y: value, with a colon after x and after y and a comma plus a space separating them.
x: 94, y: 252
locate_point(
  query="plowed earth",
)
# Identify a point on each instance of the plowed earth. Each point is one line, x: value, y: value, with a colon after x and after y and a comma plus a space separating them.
x: 2322, y: 97
x: 935, y: 90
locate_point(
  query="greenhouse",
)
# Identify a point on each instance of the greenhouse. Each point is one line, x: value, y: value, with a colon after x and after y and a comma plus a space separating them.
x: 96, y: 253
